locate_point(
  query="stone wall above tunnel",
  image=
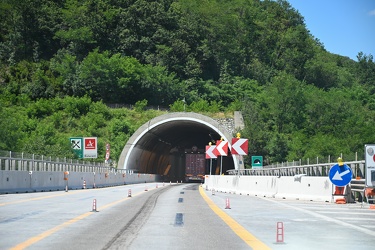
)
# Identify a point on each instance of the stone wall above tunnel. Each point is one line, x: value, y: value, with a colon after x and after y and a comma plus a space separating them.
x: 150, y: 148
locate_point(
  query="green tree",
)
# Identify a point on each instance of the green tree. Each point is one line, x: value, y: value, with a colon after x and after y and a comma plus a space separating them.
x: 12, y: 123
x: 322, y: 71
x: 285, y: 103
x: 366, y: 71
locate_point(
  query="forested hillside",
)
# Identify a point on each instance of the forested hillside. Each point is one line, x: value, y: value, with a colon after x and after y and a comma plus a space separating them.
x: 61, y: 61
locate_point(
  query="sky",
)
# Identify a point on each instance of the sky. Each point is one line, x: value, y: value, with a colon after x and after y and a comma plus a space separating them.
x: 345, y: 27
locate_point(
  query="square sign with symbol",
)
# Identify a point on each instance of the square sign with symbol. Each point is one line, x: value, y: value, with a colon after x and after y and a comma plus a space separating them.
x: 257, y: 161
x: 85, y: 147
x: 77, y: 146
x: 90, y: 150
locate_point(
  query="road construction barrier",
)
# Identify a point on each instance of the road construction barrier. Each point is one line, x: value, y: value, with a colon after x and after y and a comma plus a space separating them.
x: 94, y: 206
x: 280, y: 232
x: 340, y: 201
x: 227, y: 204
x: 24, y: 182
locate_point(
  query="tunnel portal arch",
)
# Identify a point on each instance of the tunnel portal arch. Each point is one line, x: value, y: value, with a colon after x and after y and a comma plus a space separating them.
x: 159, y: 145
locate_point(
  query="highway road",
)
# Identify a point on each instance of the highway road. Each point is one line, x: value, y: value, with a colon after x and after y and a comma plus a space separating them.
x: 178, y: 216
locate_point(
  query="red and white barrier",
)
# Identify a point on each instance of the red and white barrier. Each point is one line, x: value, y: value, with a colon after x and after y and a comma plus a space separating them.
x: 94, y: 206
x: 227, y: 204
x: 280, y: 232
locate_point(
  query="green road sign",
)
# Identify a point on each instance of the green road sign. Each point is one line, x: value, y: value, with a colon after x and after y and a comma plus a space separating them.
x: 257, y: 161
x: 77, y: 146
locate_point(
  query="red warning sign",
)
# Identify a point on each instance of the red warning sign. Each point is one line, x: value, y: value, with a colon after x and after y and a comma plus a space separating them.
x: 90, y: 147
x: 90, y: 143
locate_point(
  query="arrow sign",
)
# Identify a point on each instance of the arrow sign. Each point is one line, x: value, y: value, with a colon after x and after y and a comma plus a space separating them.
x: 210, y: 152
x: 222, y: 148
x: 340, y: 175
x: 240, y: 146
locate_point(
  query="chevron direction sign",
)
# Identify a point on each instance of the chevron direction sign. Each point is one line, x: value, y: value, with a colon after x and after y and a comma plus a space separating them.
x: 210, y: 152
x: 222, y: 148
x: 240, y: 146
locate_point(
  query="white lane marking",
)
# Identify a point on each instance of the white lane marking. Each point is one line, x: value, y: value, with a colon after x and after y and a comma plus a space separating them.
x: 326, y: 218
x: 354, y: 219
x: 304, y: 220
x: 342, y: 212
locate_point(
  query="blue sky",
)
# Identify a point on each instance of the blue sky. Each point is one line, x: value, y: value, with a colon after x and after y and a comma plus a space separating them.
x: 345, y: 27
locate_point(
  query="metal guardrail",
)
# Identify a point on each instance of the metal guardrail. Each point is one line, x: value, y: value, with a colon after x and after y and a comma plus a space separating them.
x: 322, y: 169
x: 13, y: 161
x: 28, y: 156
x: 358, y: 185
x: 317, y: 160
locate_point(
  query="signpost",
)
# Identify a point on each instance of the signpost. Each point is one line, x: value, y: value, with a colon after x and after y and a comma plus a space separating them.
x: 210, y: 154
x: 77, y: 146
x: 90, y: 149
x: 340, y: 175
x: 222, y: 149
x: 370, y: 165
x: 85, y: 147
x: 240, y: 146
x: 107, y: 152
x: 256, y: 161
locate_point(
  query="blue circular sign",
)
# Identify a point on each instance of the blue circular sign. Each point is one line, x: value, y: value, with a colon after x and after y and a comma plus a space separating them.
x: 340, y: 175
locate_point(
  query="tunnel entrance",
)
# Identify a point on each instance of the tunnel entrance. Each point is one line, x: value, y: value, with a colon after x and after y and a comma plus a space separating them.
x: 162, y: 145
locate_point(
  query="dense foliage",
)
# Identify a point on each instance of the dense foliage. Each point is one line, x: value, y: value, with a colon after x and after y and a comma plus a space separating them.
x: 60, y: 61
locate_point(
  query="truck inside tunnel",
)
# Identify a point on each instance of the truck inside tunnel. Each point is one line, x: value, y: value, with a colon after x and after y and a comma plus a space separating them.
x: 163, y: 146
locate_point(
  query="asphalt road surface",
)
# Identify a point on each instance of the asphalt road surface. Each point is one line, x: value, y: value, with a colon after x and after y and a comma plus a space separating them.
x: 178, y: 216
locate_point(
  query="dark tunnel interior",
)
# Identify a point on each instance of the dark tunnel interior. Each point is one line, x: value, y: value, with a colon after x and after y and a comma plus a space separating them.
x: 163, y: 150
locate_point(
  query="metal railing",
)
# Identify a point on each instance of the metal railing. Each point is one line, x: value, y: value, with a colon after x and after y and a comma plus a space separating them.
x: 321, y: 169
x: 15, y: 161
x: 317, y: 160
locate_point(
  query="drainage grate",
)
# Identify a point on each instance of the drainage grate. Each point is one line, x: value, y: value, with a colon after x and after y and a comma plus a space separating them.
x: 179, y: 221
x: 180, y: 200
x: 182, y: 192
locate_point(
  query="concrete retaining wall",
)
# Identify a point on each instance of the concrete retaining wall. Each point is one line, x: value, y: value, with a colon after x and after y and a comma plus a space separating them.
x: 25, y: 181
x: 285, y: 187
